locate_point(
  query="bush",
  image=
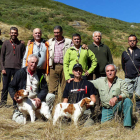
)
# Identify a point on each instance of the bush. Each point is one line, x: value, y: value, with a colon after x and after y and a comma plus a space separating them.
x: 96, y: 27
x: 28, y: 25
x: 115, y: 50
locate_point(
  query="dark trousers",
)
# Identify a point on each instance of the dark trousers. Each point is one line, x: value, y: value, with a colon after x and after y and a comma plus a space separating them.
x: 6, y: 80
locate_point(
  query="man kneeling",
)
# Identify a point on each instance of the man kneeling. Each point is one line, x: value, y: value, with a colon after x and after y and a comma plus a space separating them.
x: 78, y: 89
x: 113, y: 94
x: 32, y: 80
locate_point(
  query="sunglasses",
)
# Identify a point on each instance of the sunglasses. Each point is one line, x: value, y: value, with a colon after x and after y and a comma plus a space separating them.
x: 39, y: 55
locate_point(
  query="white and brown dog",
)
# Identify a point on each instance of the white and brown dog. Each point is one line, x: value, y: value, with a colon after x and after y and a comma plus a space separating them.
x: 73, y: 111
x: 27, y: 106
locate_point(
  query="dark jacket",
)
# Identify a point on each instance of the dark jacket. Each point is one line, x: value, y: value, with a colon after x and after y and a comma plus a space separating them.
x: 103, y: 56
x: 19, y: 82
x: 9, y: 59
x: 128, y: 66
x: 0, y: 51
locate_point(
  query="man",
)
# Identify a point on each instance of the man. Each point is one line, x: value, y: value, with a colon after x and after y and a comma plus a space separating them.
x: 131, y: 66
x: 32, y: 80
x: 113, y: 94
x: 57, y: 49
x: 0, y: 53
x: 77, y: 53
x: 12, y: 52
x: 37, y: 46
x: 102, y: 53
x: 104, y: 57
x: 71, y: 93
x: 0, y: 41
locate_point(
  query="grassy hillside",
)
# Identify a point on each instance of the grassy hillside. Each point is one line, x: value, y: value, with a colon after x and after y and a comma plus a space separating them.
x: 45, y: 14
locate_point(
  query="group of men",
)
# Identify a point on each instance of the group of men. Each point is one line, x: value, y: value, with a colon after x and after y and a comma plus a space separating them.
x: 66, y: 62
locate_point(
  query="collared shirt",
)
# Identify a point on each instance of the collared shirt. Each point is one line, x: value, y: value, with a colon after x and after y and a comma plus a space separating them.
x: 32, y: 84
x: 58, y: 53
x: 119, y: 87
x: 36, y: 50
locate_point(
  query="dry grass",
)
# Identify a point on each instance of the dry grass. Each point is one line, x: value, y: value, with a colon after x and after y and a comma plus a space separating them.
x: 120, y: 73
x: 42, y: 130
x: 5, y: 30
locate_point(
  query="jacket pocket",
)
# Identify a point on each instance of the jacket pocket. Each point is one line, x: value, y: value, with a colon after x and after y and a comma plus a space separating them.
x: 115, y: 92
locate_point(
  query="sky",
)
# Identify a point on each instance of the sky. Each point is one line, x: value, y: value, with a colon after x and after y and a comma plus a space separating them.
x: 125, y: 10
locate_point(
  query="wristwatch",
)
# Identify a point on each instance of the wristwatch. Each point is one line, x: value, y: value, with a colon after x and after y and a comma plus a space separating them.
x: 117, y: 97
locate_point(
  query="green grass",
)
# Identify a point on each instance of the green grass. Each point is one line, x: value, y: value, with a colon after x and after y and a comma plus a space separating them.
x: 46, y: 14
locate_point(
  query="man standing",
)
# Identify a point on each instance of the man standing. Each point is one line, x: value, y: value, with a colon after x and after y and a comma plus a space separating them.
x: 77, y: 53
x: 0, y: 41
x: 57, y: 49
x: 102, y: 53
x: 78, y: 89
x: 12, y: 52
x: 37, y: 46
x: 104, y: 57
x: 32, y: 80
x: 131, y: 66
x: 0, y: 54
x: 112, y: 92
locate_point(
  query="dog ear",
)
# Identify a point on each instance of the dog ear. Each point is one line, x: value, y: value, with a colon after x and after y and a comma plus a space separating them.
x: 87, y: 100
x: 83, y: 102
x: 16, y: 96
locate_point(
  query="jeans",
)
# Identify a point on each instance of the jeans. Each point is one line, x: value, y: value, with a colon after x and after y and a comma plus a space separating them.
x: 126, y: 107
x: 133, y: 86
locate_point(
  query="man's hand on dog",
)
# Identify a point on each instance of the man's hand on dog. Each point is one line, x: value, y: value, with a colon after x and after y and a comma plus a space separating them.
x: 18, y: 100
x: 37, y: 102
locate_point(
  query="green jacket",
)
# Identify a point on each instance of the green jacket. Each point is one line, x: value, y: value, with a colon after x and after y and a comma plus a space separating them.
x: 119, y: 87
x: 103, y: 55
x: 71, y: 58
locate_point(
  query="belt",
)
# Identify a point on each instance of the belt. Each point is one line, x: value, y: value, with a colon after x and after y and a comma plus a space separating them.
x: 58, y: 64
x: 107, y: 107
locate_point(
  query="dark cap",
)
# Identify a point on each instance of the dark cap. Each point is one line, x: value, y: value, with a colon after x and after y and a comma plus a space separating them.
x: 77, y: 66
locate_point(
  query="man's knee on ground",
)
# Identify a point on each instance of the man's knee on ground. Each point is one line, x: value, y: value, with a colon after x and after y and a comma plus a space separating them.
x: 50, y: 98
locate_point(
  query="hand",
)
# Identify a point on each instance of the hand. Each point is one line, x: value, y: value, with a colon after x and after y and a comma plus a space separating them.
x: 71, y: 79
x: 86, y: 73
x: 37, y: 102
x: 3, y: 71
x: 28, y: 43
x: 18, y: 100
x: 113, y: 101
x: 84, y: 46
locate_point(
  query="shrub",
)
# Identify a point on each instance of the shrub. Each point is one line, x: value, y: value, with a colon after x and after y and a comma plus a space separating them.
x: 102, y: 28
x: 28, y: 25
x: 114, y: 48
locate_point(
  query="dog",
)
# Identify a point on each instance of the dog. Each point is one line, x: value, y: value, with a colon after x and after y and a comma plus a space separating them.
x: 27, y: 106
x: 73, y: 111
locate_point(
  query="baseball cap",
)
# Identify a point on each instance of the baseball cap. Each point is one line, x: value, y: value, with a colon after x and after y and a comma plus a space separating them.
x: 77, y: 66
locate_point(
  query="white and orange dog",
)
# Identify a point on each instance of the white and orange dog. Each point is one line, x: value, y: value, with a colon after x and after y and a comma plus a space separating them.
x: 27, y: 106
x: 73, y: 111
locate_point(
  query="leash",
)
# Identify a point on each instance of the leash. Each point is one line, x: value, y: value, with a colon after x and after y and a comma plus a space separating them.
x: 133, y: 99
x: 132, y: 62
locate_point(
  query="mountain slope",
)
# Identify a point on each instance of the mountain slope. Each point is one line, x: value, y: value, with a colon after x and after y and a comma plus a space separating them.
x: 45, y: 14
